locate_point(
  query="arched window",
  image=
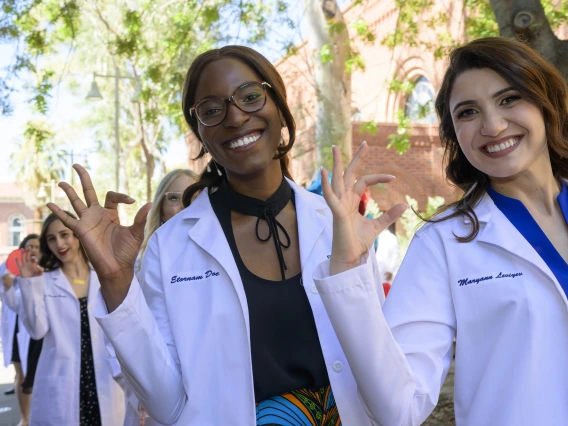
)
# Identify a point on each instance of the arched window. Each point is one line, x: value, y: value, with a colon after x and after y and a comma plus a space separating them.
x: 16, y: 229
x: 420, y: 103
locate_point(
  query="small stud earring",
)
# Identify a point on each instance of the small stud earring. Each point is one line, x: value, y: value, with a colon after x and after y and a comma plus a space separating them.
x: 281, y: 141
x: 208, y: 168
x: 219, y: 172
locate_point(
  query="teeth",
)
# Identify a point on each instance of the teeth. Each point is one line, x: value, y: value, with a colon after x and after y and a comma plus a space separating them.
x: 502, y: 146
x: 246, y: 140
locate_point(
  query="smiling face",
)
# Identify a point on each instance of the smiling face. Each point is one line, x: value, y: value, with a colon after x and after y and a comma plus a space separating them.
x: 32, y: 247
x: 243, y: 143
x: 62, y: 243
x: 500, y: 133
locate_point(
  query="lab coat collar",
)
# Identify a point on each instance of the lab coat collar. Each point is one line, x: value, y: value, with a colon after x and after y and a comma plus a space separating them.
x: 208, y: 234
x: 499, y: 231
x: 60, y: 280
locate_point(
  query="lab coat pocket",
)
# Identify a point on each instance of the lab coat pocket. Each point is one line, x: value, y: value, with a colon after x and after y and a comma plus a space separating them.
x: 51, y: 405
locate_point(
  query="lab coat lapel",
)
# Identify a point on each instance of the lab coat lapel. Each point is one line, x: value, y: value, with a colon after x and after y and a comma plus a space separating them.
x: 60, y: 281
x: 311, y: 223
x: 499, y: 231
x: 208, y: 234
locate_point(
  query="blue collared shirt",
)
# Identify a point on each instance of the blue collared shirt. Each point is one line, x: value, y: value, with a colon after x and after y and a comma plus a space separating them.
x: 521, y: 219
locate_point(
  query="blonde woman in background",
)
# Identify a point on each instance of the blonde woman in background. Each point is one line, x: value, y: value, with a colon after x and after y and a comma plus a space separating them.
x: 167, y: 203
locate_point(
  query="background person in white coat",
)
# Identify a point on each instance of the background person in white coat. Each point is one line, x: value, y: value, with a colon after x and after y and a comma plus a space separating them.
x: 166, y: 204
x: 233, y: 319
x: 73, y: 385
x: 17, y: 349
x: 490, y: 268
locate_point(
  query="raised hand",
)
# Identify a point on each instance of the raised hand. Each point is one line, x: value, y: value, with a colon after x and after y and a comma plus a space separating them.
x: 29, y: 267
x: 111, y: 247
x: 353, y: 234
x: 7, y: 281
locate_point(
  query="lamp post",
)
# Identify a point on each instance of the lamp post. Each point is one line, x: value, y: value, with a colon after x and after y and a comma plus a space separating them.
x: 95, y: 94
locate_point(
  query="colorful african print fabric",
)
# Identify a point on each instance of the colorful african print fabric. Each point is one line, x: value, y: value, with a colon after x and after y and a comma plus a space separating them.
x: 299, y: 408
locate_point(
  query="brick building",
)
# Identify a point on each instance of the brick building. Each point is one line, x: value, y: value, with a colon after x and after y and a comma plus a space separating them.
x: 420, y: 170
x: 16, y: 217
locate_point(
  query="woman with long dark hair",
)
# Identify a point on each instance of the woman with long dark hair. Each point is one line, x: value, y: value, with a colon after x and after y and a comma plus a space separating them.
x: 489, y: 270
x: 73, y: 383
x: 232, y: 327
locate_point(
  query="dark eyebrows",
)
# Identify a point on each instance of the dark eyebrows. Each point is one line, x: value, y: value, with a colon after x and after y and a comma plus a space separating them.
x: 472, y: 102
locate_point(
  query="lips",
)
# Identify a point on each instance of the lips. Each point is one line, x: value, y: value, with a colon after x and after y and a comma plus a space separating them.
x: 63, y: 253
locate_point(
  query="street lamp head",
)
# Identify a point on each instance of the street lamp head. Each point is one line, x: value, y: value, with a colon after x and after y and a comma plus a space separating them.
x: 94, y: 93
x: 42, y: 193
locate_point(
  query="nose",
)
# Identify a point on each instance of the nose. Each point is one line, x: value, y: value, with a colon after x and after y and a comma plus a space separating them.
x: 235, y: 116
x: 493, y: 124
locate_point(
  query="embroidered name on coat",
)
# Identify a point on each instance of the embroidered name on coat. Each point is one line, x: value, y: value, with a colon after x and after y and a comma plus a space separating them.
x: 468, y: 281
x: 207, y: 274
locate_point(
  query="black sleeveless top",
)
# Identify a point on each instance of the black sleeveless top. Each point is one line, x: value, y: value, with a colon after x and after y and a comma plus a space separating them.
x: 285, y: 349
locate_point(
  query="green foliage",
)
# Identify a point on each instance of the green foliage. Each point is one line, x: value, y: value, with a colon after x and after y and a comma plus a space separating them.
x: 556, y: 12
x: 401, y: 86
x: 38, y: 157
x: 363, y: 30
x: 325, y: 54
x: 400, y: 140
x: 480, y: 20
x: 354, y: 61
x: 370, y: 127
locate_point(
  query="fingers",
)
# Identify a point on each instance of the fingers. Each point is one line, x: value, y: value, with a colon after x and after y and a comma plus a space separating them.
x: 337, y: 178
x: 349, y: 175
x: 67, y: 220
x: 369, y: 180
x: 87, y: 184
x: 328, y: 193
x: 113, y: 199
x: 390, y: 216
x: 137, y: 227
x: 77, y: 204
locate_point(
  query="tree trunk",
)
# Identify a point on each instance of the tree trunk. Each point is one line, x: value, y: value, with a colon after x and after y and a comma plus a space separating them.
x: 332, y: 82
x: 526, y: 21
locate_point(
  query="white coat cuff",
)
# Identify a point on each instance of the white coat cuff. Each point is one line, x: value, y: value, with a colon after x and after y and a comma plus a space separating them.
x: 327, y: 283
x: 117, y: 318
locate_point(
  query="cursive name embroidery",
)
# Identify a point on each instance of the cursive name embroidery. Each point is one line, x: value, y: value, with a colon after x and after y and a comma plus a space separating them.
x: 513, y: 275
x: 207, y: 274
x: 467, y: 281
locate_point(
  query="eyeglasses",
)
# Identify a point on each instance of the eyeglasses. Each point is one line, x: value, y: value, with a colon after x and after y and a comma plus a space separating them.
x: 250, y: 97
x: 173, y: 198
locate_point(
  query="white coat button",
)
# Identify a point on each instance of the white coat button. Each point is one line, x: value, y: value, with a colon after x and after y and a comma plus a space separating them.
x: 337, y: 366
x: 314, y: 289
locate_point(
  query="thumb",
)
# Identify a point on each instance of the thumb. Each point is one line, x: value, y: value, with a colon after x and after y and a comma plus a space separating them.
x: 137, y: 228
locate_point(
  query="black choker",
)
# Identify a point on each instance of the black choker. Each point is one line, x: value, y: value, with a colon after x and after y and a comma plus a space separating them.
x: 267, y: 210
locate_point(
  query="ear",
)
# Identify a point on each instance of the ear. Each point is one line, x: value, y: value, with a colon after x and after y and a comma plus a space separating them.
x: 281, y: 117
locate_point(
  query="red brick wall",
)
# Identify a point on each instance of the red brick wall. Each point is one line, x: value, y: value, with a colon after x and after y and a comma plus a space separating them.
x: 419, y: 171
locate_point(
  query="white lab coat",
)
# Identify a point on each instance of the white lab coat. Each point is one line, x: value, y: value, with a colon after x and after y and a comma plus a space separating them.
x: 51, y: 311
x: 10, y: 309
x: 186, y: 349
x: 511, y: 361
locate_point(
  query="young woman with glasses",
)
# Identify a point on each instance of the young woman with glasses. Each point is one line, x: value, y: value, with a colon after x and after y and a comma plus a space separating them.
x: 232, y: 327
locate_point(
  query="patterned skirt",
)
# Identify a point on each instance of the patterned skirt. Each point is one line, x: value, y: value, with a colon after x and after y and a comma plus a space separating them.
x: 299, y: 408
